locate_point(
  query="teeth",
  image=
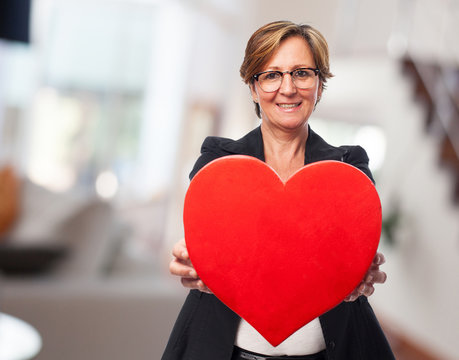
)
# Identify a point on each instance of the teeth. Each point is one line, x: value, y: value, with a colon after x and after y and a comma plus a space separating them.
x: 288, y: 106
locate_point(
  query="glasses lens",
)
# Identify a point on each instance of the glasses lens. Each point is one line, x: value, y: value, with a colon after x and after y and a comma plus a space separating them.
x: 270, y: 81
x: 304, y: 78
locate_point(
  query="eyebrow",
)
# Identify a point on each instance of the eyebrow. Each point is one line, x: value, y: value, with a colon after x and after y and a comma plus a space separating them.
x: 277, y: 68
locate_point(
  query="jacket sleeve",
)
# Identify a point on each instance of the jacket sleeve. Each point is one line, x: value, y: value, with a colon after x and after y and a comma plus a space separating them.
x: 357, y: 156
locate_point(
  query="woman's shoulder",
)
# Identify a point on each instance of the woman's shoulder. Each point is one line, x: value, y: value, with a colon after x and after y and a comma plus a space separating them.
x: 219, y: 145
x: 222, y: 146
x: 215, y: 147
x: 319, y: 149
x: 356, y: 155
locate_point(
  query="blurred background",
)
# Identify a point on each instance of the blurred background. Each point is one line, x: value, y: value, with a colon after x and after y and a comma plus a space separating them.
x: 104, y: 105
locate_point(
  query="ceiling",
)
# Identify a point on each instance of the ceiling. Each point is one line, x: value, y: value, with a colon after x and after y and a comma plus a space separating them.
x: 352, y: 27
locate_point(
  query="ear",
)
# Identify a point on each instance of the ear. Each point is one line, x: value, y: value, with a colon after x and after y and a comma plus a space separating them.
x: 254, y: 93
x: 319, y: 93
x: 319, y: 90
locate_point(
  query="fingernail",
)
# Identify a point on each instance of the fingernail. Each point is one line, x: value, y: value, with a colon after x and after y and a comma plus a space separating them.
x: 369, y: 278
x: 193, y: 273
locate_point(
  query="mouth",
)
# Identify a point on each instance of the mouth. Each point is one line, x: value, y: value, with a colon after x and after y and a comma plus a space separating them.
x: 288, y: 106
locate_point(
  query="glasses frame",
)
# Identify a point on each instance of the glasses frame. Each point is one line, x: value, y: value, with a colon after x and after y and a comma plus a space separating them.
x: 282, y: 73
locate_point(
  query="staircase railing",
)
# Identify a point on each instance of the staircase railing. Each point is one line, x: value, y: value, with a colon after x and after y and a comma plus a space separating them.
x: 437, y: 87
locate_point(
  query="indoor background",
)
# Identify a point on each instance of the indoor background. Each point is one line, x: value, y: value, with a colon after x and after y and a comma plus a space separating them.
x: 104, y: 105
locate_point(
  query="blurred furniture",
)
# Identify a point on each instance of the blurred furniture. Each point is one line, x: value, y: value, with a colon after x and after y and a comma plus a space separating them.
x: 92, y: 301
x: 58, y: 235
x: 18, y: 339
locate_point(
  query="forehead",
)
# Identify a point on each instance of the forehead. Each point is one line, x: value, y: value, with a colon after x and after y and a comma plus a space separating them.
x: 292, y: 52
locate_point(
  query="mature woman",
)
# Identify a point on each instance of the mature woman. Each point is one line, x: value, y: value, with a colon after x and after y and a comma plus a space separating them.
x: 286, y: 67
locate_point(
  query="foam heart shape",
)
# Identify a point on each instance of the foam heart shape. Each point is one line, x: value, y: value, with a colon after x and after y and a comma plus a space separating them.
x: 281, y: 254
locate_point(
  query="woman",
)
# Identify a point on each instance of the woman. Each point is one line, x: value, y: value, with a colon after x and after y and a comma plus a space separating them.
x: 286, y: 67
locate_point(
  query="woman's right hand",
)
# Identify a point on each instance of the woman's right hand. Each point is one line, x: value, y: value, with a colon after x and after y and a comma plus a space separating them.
x: 181, y: 266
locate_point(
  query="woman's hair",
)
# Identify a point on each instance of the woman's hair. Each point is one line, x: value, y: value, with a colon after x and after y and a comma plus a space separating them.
x: 266, y: 40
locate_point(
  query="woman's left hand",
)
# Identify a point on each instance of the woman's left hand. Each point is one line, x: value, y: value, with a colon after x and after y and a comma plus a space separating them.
x: 373, y: 276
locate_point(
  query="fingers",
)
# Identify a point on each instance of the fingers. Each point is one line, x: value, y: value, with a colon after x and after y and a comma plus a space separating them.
x: 375, y: 277
x: 364, y: 288
x: 180, y: 251
x: 379, y: 259
x: 188, y: 274
x: 352, y: 296
x: 180, y: 268
x: 181, y: 265
x: 195, y: 284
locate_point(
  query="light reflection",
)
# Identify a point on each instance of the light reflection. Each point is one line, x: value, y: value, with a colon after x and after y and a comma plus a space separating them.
x: 373, y: 140
x: 54, y: 123
x: 371, y: 137
x: 106, y: 185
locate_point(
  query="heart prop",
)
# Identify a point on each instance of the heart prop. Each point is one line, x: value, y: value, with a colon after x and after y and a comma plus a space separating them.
x: 281, y: 254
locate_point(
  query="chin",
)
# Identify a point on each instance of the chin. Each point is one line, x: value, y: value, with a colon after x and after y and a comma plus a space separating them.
x: 293, y: 123
x: 289, y: 123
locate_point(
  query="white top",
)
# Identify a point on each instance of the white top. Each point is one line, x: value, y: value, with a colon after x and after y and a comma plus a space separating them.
x: 307, y: 340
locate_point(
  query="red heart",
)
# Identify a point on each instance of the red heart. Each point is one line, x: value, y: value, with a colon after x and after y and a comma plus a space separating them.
x: 279, y: 255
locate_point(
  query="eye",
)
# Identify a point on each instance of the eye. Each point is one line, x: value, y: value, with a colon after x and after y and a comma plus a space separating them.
x: 303, y: 73
x: 270, y: 76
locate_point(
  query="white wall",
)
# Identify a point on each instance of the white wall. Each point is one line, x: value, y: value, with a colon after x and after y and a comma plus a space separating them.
x: 421, y: 295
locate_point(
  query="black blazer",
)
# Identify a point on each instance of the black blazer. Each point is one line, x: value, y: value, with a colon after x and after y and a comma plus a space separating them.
x: 206, y: 328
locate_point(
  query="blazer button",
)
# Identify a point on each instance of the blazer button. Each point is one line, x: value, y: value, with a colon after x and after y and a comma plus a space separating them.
x: 332, y: 345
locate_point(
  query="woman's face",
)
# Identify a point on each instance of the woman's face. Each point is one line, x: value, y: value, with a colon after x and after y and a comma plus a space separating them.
x: 289, y: 107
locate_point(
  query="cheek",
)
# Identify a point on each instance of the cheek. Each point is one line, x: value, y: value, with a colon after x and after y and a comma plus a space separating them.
x: 311, y: 96
x: 318, y: 92
x: 266, y: 98
x: 266, y: 104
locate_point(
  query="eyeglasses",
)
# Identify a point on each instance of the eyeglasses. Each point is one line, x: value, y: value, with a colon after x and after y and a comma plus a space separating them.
x: 303, y: 78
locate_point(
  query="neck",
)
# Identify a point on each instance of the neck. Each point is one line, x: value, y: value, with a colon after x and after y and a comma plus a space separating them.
x: 284, y: 150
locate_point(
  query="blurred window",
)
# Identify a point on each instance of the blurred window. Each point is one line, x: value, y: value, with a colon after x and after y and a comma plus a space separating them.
x: 95, y: 61
x: 94, y: 104
x: 371, y: 137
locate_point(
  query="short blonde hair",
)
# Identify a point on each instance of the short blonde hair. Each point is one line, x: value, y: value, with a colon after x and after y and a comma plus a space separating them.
x: 265, y: 41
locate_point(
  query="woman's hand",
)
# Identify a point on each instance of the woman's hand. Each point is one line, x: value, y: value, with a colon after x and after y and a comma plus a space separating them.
x: 373, y: 276
x: 181, y: 266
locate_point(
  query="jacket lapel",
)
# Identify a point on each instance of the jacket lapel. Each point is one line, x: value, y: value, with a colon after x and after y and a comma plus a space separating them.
x: 317, y: 149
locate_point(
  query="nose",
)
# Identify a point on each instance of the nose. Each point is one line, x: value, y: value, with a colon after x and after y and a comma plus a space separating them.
x: 287, y: 86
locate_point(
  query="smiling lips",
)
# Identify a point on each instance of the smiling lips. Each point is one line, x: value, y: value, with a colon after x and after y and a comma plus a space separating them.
x: 289, y: 106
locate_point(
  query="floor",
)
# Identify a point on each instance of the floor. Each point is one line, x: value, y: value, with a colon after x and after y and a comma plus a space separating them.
x: 405, y: 349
